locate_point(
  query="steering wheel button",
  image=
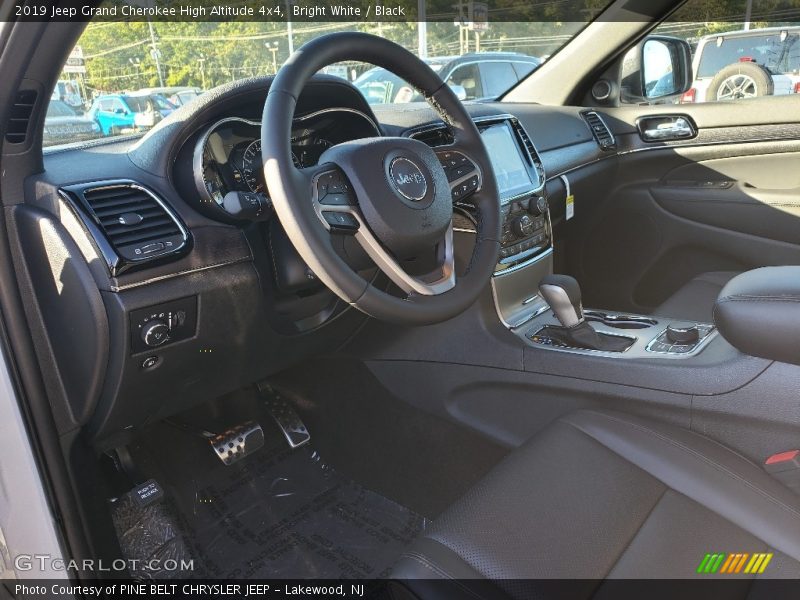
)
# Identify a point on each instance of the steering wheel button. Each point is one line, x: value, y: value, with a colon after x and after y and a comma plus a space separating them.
x: 340, y: 221
x: 337, y: 199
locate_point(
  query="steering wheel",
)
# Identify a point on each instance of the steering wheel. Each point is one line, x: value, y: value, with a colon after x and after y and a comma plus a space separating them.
x: 391, y: 193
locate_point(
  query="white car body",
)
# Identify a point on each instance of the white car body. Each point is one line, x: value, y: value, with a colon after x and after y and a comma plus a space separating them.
x: 784, y: 82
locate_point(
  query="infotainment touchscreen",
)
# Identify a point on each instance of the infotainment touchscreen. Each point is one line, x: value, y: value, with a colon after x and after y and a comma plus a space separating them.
x: 510, y: 169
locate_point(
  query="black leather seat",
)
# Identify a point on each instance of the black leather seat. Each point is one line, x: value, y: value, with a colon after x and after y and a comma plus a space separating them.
x: 695, y: 300
x: 604, y: 495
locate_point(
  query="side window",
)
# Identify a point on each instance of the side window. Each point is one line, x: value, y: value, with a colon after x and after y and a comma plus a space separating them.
x: 736, y: 60
x: 469, y: 78
x: 118, y: 105
x: 523, y: 69
x: 497, y: 77
x: 106, y: 105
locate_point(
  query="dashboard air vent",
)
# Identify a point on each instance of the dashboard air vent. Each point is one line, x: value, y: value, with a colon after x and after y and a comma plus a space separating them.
x: 600, y: 130
x: 20, y: 117
x: 529, y: 146
x: 441, y: 136
x: 137, y: 226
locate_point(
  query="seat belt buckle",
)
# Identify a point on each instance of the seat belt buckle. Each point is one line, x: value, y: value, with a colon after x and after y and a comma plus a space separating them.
x: 785, y: 467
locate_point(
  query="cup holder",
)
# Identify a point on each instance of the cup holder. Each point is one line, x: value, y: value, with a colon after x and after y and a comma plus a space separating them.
x: 620, y: 321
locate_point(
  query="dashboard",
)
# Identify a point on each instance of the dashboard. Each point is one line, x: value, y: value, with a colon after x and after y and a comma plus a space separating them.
x: 227, y: 156
x: 183, y: 303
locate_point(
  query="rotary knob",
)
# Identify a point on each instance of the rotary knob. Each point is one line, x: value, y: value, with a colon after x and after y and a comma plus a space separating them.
x: 523, y: 226
x: 155, y: 333
x: 683, y: 334
x: 537, y: 206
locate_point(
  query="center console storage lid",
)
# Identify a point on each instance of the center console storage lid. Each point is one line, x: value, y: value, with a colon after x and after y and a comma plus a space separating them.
x: 758, y: 312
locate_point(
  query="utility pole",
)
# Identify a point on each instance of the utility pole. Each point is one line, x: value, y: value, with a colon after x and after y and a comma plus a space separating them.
x: 748, y: 15
x: 289, y: 32
x: 422, y: 30
x: 202, y: 63
x: 155, y: 53
x: 463, y: 32
x: 273, y: 47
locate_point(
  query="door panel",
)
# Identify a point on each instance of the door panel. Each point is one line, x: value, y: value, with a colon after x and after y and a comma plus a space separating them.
x: 726, y: 200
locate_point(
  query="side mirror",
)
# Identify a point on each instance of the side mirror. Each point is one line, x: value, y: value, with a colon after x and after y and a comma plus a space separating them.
x: 657, y: 69
x: 121, y: 111
x: 459, y: 91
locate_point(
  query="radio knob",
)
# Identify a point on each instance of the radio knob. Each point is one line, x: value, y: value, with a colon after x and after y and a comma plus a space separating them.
x: 537, y: 206
x: 155, y: 333
x: 523, y: 226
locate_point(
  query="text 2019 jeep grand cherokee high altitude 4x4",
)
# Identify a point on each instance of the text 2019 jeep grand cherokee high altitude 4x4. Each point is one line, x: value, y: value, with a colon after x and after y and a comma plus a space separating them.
x: 537, y: 345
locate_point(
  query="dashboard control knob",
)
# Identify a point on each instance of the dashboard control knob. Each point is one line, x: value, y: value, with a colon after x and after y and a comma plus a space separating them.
x: 537, y: 206
x: 523, y: 226
x: 683, y: 333
x: 155, y: 333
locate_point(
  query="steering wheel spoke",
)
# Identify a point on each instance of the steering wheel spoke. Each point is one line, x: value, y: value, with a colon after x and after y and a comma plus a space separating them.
x: 463, y: 174
x: 442, y: 279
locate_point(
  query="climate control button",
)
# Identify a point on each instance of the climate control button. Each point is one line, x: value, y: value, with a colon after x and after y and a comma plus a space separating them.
x: 523, y: 226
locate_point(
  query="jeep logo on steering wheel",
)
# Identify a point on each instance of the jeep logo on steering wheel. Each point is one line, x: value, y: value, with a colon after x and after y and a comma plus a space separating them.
x: 408, y: 179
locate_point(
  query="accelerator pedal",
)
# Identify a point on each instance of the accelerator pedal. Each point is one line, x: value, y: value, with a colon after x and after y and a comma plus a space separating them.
x: 289, y: 422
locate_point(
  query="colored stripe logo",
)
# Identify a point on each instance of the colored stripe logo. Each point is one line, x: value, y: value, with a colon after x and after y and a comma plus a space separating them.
x: 734, y: 563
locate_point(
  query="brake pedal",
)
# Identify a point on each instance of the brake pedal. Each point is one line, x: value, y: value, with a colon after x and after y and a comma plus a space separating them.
x: 289, y: 422
x: 233, y: 444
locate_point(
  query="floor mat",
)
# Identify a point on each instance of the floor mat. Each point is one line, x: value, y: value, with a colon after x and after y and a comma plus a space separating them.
x: 288, y: 516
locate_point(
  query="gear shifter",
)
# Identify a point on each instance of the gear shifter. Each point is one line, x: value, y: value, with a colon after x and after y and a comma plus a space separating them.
x: 563, y: 294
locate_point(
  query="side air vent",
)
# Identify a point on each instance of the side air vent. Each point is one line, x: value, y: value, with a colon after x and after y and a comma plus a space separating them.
x: 600, y: 130
x: 130, y: 223
x: 440, y: 136
x: 20, y: 117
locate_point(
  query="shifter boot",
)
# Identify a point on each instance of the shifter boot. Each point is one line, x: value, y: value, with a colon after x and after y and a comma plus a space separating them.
x: 586, y: 337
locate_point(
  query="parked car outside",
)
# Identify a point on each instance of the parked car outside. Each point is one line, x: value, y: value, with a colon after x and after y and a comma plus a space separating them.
x: 746, y: 64
x: 475, y: 76
x: 120, y: 113
x: 176, y: 94
x: 63, y: 125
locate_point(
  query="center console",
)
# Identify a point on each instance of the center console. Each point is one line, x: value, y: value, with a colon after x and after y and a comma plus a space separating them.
x: 521, y: 182
x: 551, y: 316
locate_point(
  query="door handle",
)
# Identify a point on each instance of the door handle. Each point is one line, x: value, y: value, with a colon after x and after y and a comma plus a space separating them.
x: 660, y: 129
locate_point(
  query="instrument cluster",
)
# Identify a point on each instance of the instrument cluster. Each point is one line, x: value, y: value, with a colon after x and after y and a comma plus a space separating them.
x: 228, y: 157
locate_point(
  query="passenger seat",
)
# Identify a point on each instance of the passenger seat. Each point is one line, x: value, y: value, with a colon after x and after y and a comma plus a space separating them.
x: 695, y: 300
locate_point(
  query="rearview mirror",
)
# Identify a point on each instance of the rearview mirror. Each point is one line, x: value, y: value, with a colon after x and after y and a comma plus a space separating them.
x: 656, y: 70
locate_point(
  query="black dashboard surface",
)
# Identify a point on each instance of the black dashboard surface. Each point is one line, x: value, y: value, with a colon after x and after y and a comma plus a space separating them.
x: 249, y: 321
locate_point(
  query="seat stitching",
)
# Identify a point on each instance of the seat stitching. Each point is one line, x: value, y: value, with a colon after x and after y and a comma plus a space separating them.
x: 439, y: 571
x: 693, y: 452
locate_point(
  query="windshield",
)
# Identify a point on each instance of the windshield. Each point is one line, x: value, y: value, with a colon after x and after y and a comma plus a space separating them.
x: 117, y: 65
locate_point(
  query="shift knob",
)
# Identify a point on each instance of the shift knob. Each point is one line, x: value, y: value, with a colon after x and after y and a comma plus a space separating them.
x: 563, y: 294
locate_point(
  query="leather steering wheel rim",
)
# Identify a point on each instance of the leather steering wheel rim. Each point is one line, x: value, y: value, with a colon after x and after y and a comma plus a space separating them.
x: 290, y: 188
